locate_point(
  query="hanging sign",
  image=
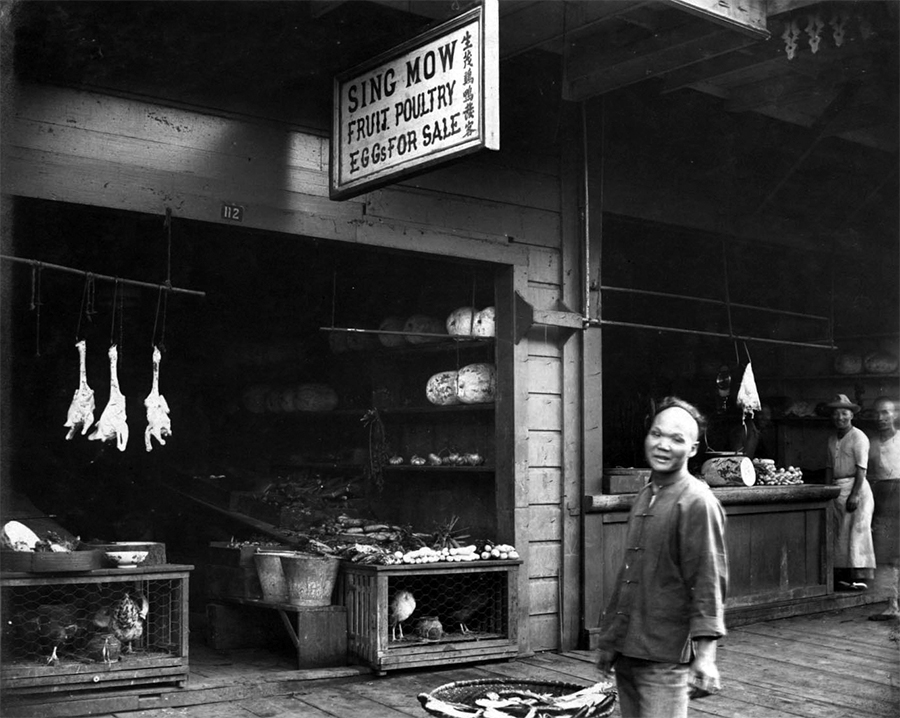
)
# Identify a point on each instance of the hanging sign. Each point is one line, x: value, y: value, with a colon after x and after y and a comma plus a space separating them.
x: 429, y: 100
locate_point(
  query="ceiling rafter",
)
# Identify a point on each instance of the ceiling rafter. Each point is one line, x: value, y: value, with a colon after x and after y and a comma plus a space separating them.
x: 592, y: 71
x: 820, y: 129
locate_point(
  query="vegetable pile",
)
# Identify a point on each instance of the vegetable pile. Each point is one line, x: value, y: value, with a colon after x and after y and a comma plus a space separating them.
x: 768, y: 475
x: 391, y: 545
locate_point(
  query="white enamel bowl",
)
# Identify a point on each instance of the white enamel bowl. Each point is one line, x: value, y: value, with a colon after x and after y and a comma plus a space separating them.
x: 126, y: 558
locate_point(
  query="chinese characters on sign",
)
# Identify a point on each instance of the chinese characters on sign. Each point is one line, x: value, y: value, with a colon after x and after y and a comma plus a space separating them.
x: 422, y: 103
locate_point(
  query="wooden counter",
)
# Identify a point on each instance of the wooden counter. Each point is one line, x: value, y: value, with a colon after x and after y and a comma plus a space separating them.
x: 778, y: 540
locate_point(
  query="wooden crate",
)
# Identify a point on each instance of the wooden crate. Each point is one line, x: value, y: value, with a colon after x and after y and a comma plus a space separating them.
x: 28, y: 601
x: 440, y: 590
x: 318, y: 634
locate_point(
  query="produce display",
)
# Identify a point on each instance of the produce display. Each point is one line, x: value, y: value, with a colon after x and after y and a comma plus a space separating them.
x: 477, y: 383
x: 880, y: 363
x: 262, y: 398
x: 873, y: 362
x: 728, y: 471
x: 445, y: 458
x: 383, y: 544
x: 473, y: 384
x: 424, y: 324
x: 768, y: 475
x: 467, y: 322
x: 461, y: 322
x: 484, y: 323
x: 16, y: 536
x: 392, y: 324
x: 848, y: 363
x: 441, y: 389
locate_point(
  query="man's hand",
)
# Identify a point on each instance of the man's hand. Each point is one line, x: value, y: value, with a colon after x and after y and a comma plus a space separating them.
x: 704, y: 678
x: 605, y: 661
x: 852, y: 502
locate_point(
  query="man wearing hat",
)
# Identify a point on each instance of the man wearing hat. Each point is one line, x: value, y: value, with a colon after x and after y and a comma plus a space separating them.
x: 884, y: 474
x: 848, y: 459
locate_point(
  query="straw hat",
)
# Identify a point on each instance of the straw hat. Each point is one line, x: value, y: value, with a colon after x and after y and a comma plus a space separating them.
x: 841, y: 401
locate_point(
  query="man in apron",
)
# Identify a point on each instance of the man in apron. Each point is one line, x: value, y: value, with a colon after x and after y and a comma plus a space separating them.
x: 884, y: 471
x: 851, y: 511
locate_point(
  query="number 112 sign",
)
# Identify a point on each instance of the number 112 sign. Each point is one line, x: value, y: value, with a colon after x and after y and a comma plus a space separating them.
x: 431, y: 99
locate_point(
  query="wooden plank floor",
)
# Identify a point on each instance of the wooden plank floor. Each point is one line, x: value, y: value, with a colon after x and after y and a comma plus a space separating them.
x: 828, y: 665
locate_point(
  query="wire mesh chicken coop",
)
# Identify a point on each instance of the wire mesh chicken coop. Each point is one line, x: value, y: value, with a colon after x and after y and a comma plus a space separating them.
x: 99, y: 630
x: 408, y: 616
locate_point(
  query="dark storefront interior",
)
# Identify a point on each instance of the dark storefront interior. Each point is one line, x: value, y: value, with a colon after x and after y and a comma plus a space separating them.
x: 256, y: 332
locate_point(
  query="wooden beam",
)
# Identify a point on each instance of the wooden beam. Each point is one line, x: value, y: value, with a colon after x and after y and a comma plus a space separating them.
x: 547, y: 25
x: 747, y: 16
x: 593, y: 71
x: 821, y: 128
x: 320, y: 8
x: 787, y: 89
x: 718, y: 70
x: 779, y: 7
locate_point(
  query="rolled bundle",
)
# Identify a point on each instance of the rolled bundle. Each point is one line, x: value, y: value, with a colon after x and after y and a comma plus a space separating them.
x: 728, y: 471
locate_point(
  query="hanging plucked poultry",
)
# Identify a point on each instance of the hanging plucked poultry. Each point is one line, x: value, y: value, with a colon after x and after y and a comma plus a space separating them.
x: 81, y: 410
x: 113, y: 420
x: 158, y: 422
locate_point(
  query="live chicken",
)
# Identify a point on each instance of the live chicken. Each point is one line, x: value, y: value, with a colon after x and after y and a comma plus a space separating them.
x: 113, y: 421
x: 401, y: 607
x: 47, y: 628
x: 81, y: 410
x: 124, y: 619
x: 158, y: 422
x: 471, y: 604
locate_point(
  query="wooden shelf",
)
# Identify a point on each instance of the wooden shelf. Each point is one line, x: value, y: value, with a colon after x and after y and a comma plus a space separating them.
x: 824, y: 420
x: 336, y: 465
x: 452, y: 409
x: 359, y: 413
x: 452, y: 469
x: 437, y: 342
x: 830, y: 377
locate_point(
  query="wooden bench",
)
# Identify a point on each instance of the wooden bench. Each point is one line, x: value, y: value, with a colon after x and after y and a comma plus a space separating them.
x: 318, y: 634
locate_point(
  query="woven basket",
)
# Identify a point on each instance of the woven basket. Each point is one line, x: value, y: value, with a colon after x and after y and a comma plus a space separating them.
x: 457, y: 700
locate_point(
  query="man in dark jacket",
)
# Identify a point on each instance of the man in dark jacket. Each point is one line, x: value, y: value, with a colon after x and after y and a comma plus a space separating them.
x: 660, y: 628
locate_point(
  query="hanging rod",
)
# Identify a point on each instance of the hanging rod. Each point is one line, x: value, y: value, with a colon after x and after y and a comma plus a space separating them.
x: 721, y: 302
x: 723, y: 335
x: 71, y: 270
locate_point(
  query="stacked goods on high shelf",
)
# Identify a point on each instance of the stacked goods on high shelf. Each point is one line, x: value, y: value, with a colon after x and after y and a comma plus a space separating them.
x: 307, y: 397
x: 472, y: 384
x: 416, y: 329
x: 873, y: 362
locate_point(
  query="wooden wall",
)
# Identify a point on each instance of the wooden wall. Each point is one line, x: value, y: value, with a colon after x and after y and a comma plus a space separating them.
x: 79, y: 147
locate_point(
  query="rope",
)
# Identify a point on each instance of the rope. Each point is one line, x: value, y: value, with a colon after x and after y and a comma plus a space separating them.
x: 162, y: 297
x: 727, y: 292
x: 112, y: 325
x: 87, y: 303
x: 36, y: 271
x: 168, y: 226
